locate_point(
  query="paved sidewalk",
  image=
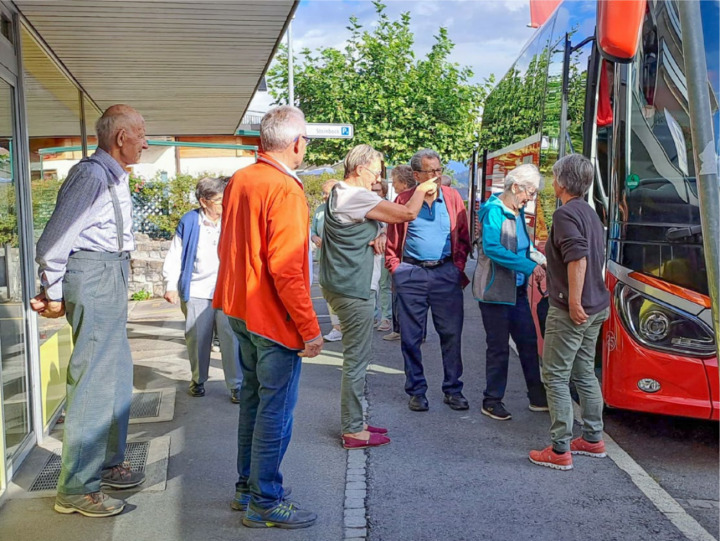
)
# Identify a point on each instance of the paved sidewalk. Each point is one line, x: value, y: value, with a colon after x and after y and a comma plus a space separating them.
x: 195, y: 503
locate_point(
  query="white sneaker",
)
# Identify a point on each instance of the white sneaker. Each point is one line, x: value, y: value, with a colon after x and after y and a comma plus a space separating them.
x: 392, y: 336
x: 333, y: 336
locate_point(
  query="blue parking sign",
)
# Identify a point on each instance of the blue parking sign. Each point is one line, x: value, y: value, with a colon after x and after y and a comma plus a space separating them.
x: 345, y: 130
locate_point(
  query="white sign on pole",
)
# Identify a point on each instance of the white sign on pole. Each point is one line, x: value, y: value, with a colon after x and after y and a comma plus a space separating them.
x: 330, y: 131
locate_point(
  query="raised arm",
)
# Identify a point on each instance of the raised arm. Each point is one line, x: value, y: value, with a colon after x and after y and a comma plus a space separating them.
x: 394, y: 213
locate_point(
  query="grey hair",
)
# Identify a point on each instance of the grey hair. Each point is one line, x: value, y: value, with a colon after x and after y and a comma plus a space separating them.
x: 115, y: 118
x: 575, y: 173
x: 416, y: 160
x: 445, y: 180
x: 360, y: 155
x: 404, y: 174
x: 280, y: 127
x: 209, y: 187
x: 524, y: 176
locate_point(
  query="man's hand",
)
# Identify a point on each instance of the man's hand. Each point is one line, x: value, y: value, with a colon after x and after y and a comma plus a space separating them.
x: 312, y: 348
x: 538, y: 274
x: 38, y: 303
x: 577, y: 313
x: 172, y: 297
x: 317, y: 241
x: 379, y: 243
x: 46, y: 308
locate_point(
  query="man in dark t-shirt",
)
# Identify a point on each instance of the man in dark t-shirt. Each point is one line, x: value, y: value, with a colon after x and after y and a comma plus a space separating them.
x: 579, y: 304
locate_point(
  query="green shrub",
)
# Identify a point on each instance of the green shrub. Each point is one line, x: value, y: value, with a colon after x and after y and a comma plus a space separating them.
x: 141, y: 295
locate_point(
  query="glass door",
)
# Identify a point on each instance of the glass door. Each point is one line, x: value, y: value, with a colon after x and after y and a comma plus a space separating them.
x: 13, y: 350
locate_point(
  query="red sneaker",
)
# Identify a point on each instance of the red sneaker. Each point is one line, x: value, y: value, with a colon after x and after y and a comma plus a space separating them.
x: 375, y: 440
x: 549, y: 458
x: 376, y: 430
x: 580, y: 446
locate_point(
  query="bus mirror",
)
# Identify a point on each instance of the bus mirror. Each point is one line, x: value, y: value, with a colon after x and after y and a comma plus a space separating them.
x: 619, y: 23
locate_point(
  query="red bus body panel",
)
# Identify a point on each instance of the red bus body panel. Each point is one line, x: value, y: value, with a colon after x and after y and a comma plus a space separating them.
x: 625, y: 362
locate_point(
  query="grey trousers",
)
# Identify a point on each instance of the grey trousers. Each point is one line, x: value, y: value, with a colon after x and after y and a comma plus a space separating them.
x: 356, y: 323
x: 200, y: 320
x: 100, y: 373
x: 569, y: 355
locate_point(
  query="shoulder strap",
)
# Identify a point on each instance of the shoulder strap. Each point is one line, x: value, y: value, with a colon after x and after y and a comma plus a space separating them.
x: 119, y: 226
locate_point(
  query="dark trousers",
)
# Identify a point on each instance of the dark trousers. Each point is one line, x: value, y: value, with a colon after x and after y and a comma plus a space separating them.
x: 501, y: 321
x: 419, y: 289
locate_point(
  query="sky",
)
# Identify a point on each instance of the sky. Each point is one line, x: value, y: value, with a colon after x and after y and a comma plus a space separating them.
x: 488, y: 34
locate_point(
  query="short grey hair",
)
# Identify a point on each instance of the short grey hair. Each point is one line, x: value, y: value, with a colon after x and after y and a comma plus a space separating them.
x: 575, y: 173
x: 416, y: 160
x: 524, y: 176
x: 404, y: 174
x: 280, y: 127
x: 209, y: 187
x: 360, y: 155
x: 115, y: 118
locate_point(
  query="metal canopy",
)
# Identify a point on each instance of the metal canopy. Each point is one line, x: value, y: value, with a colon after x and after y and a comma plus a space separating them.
x: 190, y: 67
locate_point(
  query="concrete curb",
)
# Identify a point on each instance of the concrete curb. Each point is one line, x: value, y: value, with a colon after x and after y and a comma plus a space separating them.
x: 354, y: 508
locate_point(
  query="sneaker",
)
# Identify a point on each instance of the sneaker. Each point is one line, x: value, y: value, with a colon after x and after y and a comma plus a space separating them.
x: 580, y: 446
x: 196, y: 389
x: 242, y: 499
x: 284, y: 515
x: 333, y: 336
x: 94, y: 505
x: 496, y: 411
x: 121, y: 477
x: 392, y: 336
x: 385, y: 325
x: 549, y: 458
x: 535, y: 407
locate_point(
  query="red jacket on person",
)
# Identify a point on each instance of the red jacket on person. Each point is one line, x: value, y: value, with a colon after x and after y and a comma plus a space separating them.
x: 459, y: 232
x: 264, y: 277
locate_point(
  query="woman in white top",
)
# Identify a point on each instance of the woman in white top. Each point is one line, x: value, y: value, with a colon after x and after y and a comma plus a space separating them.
x: 349, y: 276
x: 190, y: 273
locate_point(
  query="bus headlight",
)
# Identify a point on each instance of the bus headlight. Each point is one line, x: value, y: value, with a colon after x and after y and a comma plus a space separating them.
x: 660, y: 326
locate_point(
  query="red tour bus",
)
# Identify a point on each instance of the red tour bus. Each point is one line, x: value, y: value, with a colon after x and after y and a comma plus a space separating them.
x: 633, y: 119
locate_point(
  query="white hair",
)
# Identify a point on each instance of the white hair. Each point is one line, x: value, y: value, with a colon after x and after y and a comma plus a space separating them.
x: 280, y: 127
x: 524, y: 176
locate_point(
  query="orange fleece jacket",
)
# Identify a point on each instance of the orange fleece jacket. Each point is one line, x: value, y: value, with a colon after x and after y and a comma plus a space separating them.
x: 263, y: 277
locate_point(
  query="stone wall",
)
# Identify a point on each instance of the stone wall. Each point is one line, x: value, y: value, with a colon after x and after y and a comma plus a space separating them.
x: 146, y: 265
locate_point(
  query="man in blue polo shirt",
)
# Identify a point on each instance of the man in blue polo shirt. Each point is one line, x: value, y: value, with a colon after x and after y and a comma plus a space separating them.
x: 427, y: 260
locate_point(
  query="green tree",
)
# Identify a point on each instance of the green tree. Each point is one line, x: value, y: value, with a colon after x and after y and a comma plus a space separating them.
x: 397, y: 104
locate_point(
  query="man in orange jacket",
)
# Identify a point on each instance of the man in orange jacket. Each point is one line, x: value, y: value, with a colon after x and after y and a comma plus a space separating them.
x: 264, y: 287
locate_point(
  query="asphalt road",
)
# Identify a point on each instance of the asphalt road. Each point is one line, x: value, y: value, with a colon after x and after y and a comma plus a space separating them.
x: 463, y: 476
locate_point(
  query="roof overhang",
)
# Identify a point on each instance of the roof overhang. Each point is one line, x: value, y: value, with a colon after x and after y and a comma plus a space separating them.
x: 190, y: 67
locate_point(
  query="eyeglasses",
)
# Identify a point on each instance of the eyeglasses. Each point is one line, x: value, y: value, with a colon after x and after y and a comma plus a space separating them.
x: 216, y: 200
x: 307, y: 139
x: 376, y: 174
x: 431, y: 171
x: 530, y: 192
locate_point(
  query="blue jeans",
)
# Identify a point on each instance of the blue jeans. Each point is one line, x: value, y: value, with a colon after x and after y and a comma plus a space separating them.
x: 501, y: 321
x: 268, y: 394
x: 419, y: 289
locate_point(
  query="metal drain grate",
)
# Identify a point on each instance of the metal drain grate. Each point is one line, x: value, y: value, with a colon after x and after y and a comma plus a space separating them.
x: 146, y: 404
x: 135, y: 453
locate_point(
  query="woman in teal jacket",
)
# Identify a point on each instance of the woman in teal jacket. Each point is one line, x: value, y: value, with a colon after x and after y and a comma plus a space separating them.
x: 507, y: 260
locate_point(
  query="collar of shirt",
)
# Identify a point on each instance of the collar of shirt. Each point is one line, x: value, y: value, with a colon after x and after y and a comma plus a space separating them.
x: 204, y: 220
x: 111, y: 163
x: 289, y: 171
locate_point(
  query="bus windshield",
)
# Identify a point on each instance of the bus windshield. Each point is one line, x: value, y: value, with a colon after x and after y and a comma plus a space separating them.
x: 656, y: 224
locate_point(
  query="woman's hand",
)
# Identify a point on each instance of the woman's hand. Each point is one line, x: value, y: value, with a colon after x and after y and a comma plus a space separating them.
x: 379, y: 243
x: 429, y: 187
x: 317, y: 241
x: 538, y: 273
x: 171, y: 297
